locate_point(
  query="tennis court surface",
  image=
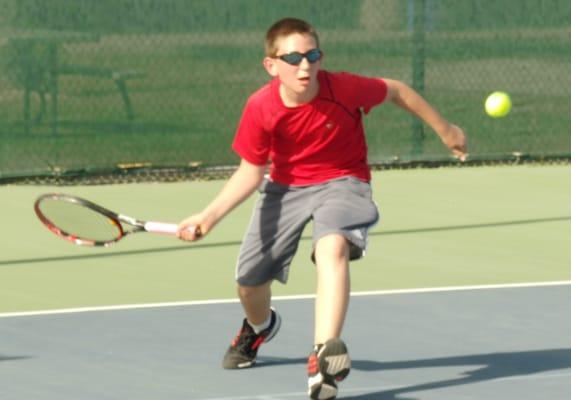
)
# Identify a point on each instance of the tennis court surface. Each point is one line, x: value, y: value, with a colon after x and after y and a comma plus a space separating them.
x: 463, y: 295
x: 495, y: 343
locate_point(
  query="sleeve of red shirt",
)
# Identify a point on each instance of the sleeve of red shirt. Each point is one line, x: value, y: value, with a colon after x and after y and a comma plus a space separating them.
x: 251, y: 141
x: 368, y: 92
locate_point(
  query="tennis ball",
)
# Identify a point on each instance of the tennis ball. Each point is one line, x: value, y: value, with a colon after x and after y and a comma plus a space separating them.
x: 498, y: 104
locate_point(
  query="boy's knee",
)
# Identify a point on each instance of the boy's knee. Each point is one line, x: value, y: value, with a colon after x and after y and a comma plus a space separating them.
x: 333, y: 247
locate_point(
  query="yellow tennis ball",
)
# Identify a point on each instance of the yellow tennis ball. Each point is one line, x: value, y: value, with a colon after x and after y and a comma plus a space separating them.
x: 498, y: 104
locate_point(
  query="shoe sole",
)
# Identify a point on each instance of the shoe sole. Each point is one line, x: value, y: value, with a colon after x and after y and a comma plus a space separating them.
x: 334, y: 361
x: 322, y: 390
x: 334, y: 366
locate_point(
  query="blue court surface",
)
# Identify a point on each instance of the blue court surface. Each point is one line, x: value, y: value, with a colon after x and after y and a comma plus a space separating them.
x: 503, y: 343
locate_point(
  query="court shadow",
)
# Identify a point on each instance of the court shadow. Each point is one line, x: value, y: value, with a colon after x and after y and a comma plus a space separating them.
x: 268, y: 361
x: 471, y: 226
x: 238, y: 242
x: 13, y: 358
x: 479, y: 368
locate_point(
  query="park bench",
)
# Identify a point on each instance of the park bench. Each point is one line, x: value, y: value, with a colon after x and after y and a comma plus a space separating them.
x: 119, y: 76
x: 33, y: 62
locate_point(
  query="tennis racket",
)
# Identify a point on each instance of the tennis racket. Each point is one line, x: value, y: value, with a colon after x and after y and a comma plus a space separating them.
x: 85, y: 223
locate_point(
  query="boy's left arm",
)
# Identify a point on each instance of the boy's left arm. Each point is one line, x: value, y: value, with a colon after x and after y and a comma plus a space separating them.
x: 408, y: 99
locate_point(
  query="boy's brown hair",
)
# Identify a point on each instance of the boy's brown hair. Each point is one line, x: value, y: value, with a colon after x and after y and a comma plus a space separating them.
x: 285, y: 27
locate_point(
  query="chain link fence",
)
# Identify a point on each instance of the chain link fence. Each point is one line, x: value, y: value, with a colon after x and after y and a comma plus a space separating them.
x: 116, y: 85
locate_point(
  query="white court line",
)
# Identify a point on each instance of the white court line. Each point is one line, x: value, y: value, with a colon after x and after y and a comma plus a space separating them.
x: 280, y: 298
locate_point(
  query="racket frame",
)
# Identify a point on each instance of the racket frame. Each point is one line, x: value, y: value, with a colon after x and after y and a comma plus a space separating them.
x: 117, y: 219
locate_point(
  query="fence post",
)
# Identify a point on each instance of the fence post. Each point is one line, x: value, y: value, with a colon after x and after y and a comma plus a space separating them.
x: 416, y: 22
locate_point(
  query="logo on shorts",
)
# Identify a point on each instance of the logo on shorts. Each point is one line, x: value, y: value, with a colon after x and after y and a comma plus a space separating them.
x: 358, y: 234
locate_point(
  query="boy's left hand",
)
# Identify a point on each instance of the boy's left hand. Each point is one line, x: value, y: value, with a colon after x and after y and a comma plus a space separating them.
x: 455, y: 139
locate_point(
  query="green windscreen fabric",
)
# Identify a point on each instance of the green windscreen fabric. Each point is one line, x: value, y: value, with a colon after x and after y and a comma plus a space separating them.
x: 98, y: 84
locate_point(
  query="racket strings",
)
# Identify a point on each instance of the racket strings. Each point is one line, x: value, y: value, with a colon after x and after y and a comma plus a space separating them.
x: 78, y: 221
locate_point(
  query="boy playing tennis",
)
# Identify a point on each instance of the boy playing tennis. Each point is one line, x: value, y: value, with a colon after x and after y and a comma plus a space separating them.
x: 307, y: 124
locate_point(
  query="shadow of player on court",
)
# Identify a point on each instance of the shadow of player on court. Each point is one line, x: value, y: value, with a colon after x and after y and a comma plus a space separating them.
x: 478, y: 368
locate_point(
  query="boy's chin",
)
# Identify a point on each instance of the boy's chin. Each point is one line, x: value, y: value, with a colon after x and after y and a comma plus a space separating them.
x: 304, y: 84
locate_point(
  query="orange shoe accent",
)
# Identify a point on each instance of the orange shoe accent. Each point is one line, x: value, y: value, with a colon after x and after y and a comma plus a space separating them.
x: 312, y: 367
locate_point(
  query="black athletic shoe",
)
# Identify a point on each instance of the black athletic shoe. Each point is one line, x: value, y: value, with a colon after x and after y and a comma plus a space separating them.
x: 244, y: 348
x: 327, y: 364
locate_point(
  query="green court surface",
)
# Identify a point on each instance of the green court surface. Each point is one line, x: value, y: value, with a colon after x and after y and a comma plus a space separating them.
x: 439, y: 227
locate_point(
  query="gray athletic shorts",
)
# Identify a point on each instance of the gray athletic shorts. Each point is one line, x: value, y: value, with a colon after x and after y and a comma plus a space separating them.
x: 343, y: 206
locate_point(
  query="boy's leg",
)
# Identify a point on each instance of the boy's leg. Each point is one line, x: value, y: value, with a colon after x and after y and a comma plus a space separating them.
x: 269, y: 245
x: 256, y: 302
x: 260, y: 325
x: 333, y: 286
x: 329, y: 361
x: 344, y: 213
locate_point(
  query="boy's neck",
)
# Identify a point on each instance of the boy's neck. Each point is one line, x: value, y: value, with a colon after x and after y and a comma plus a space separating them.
x: 291, y: 99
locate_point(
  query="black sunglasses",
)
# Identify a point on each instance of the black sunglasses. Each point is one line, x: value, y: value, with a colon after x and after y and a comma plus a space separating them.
x: 296, y: 57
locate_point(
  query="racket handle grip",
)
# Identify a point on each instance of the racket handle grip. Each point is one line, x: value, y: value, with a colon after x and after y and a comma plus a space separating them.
x: 162, y: 227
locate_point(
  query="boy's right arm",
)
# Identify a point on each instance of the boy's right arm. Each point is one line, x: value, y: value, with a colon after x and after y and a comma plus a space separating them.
x: 408, y: 99
x: 243, y: 182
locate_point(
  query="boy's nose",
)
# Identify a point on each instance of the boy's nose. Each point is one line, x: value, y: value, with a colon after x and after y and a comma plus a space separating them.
x: 304, y: 64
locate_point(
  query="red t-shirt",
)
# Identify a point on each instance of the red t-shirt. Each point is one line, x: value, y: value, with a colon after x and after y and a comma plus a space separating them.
x: 314, y: 142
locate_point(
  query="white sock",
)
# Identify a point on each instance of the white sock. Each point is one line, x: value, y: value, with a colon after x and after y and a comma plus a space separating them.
x: 263, y: 325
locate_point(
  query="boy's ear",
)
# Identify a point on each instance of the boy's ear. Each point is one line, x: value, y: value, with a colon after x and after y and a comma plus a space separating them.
x: 270, y: 66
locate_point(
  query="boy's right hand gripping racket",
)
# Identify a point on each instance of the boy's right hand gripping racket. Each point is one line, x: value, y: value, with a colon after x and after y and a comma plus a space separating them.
x: 83, y: 222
